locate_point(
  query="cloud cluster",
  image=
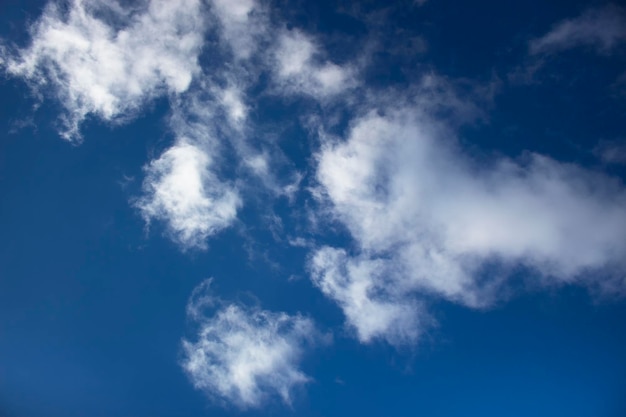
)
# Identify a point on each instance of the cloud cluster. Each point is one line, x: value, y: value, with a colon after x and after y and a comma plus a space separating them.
x: 181, y: 187
x: 602, y: 28
x: 428, y: 221
x: 106, y: 60
x: 244, y: 355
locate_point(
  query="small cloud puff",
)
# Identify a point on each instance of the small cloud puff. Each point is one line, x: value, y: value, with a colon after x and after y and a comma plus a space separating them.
x: 298, y: 70
x: 244, y: 355
x: 181, y: 189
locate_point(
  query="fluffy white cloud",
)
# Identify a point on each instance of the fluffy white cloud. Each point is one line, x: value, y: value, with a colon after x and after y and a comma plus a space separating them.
x: 299, y: 69
x: 103, y: 59
x: 603, y: 28
x: 428, y: 221
x: 244, y: 355
x: 181, y: 189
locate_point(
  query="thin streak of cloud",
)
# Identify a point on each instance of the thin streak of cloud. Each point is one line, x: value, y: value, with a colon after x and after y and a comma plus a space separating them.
x: 602, y: 28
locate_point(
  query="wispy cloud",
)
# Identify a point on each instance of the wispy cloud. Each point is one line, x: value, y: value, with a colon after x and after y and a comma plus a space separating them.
x: 611, y: 152
x: 601, y: 28
x: 102, y: 59
x: 293, y: 57
x: 243, y: 25
x: 244, y: 355
x: 363, y: 288
x: 301, y: 69
x: 428, y: 221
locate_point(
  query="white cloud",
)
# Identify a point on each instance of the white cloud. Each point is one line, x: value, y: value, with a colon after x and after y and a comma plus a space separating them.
x: 353, y: 283
x: 184, y: 187
x: 295, y: 60
x: 232, y: 101
x: 181, y: 189
x: 428, y: 221
x: 100, y: 58
x: 104, y: 60
x: 242, y: 24
x: 300, y: 70
x: 603, y: 28
x: 244, y: 355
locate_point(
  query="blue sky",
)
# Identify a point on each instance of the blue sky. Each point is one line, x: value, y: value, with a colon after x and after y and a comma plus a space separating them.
x: 247, y: 207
